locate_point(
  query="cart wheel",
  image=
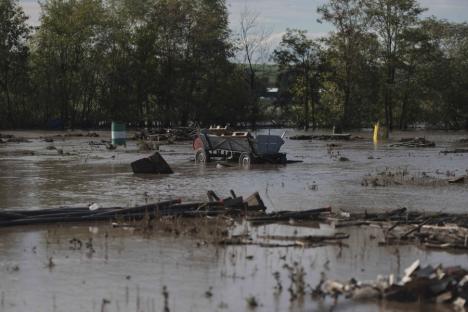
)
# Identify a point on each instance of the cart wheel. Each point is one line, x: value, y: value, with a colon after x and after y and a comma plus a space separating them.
x: 201, y: 156
x: 245, y: 160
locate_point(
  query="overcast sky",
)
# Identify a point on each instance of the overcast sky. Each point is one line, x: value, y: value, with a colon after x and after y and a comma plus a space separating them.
x: 277, y: 15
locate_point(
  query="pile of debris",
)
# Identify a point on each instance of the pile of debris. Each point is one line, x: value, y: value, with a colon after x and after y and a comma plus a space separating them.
x: 414, y: 142
x: 447, y: 285
x: 323, y: 137
x: 231, y: 206
x: 166, y: 134
x: 290, y: 218
x: 400, y: 226
x: 455, y: 151
x: 72, y: 135
x: 9, y: 138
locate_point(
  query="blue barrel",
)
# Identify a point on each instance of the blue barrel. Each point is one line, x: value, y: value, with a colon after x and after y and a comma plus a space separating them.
x: 119, y: 134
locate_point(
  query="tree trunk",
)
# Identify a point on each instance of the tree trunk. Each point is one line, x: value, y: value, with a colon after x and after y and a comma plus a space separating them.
x: 306, y: 113
x: 404, y: 105
x: 254, y: 111
x: 345, y: 121
x: 388, y: 100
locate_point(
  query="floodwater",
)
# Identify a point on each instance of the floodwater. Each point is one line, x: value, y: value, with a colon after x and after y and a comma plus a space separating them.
x: 124, y: 270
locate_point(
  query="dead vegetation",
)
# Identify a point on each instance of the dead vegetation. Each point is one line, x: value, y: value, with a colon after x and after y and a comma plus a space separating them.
x: 414, y: 142
x: 402, y: 176
x: 400, y: 226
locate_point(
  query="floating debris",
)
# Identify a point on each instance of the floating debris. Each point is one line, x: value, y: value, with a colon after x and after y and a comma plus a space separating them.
x: 414, y: 142
x: 447, y: 285
x: 231, y: 206
x: 400, y: 226
x: 153, y: 164
x: 322, y: 137
x: 460, y: 179
x: 455, y: 151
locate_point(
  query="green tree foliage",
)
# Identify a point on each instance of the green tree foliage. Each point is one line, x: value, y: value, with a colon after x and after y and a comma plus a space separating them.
x: 390, y: 21
x: 443, y: 74
x: 386, y: 63
x: 67, y: 56
x: 14, y: 52
x: 349, y: 57
x: 183, y: 48
x: 299, y: 61
x: 154, y: 60
x: 172, y: 62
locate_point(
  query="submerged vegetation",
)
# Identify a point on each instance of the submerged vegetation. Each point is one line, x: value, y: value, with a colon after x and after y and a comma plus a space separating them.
x: 177, y: 61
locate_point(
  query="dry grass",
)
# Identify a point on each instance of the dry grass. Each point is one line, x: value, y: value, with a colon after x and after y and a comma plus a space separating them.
x: 401, y: 176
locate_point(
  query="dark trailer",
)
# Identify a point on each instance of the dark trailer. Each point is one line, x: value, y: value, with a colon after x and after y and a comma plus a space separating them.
x: 219, y: 143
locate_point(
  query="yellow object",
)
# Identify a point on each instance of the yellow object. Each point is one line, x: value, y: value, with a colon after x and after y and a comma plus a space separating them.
x: 376, y: 133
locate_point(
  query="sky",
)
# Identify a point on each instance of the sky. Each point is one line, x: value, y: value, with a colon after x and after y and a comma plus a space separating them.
x: 277, y: 15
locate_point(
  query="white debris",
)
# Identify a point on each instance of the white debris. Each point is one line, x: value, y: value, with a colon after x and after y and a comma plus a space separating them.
x: 94, y: 206
x: 333, y: 287
x: 459, y: 304
x: 409, y: 271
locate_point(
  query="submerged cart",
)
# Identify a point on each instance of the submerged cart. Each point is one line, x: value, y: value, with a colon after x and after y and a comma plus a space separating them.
x: 219, y: 143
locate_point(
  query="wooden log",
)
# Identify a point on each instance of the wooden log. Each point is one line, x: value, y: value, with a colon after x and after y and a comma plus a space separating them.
x: 288, y: 215
x: 122, y: 214
x: 5, y: 215
x: 139, y: 208
x: 308, y: 238
x: 52, y: 210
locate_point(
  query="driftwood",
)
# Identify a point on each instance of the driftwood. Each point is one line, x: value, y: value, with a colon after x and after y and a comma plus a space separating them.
x: 312, y: 214
x: 170, y: 208
x: 287, y: 241
x: 307, y: 238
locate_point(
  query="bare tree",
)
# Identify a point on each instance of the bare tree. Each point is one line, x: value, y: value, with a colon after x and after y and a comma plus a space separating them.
x: 253, y: 50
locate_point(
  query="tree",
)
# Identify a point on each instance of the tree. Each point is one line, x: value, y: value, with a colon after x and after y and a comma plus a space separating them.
x: 390, y: 20
x: 443, y: 74
x: 300, y: 56
x: 67, y: 58
x: 183, y: 48
x: 345, y: 46
x: 14, y: 35
x: 253, y: 50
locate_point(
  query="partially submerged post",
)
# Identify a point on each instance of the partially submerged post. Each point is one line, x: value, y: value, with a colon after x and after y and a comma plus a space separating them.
x: 118, y: 133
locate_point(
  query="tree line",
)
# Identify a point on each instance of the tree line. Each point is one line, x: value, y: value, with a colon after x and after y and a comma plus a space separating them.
x: 176, y: 62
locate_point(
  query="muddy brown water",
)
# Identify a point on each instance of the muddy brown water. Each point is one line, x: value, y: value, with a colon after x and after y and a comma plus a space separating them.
x: 127, y: 270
